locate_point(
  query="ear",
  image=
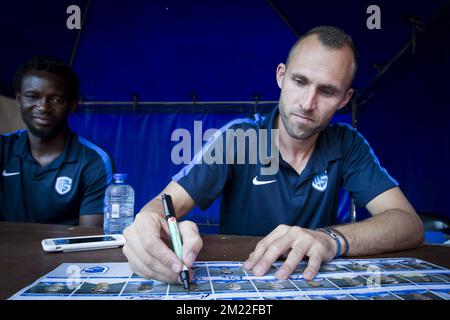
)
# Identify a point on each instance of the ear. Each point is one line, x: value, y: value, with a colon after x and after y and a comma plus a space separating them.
x: 281, y: 72
x: 347, y: 97
x: 18, y: 96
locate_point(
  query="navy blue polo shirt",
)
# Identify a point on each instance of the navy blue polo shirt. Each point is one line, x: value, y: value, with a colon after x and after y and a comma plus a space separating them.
x: 253, y: 204
x: 73, y: 184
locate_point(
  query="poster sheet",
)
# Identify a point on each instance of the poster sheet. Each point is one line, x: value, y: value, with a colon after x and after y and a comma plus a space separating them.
x: 341, y: 279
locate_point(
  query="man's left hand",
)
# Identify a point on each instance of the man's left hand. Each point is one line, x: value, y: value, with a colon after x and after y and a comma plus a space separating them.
x: 297, y: 243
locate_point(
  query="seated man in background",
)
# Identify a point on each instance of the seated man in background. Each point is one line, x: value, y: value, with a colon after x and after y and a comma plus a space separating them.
x: 294, y: 207
x: 49, y: 174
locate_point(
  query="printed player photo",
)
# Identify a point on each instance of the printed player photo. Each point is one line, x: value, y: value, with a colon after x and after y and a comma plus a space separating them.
x: 274, y: 285
x: 50, y: 288
x: 100, y: 287
x: 145, y: 287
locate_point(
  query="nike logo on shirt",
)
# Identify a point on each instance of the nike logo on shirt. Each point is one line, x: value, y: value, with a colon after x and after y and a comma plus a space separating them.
x: 8, y: 174
x: 256, y: 182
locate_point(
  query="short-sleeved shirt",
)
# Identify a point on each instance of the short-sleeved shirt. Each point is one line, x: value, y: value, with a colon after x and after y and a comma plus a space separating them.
x: 254, y: 204
x: 72, y: 185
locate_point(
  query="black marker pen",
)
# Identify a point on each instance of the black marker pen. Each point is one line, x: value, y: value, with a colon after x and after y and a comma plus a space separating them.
x: 175, y: 236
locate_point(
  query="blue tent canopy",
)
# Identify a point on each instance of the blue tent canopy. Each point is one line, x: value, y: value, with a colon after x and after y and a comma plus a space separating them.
x: 147, y: 67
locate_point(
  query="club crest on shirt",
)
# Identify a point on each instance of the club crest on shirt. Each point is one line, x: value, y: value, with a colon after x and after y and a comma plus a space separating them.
x: 63, y: 185
x: 320, y: 181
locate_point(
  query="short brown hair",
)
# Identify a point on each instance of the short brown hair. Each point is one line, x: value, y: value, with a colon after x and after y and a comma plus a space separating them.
x: 329, y: 37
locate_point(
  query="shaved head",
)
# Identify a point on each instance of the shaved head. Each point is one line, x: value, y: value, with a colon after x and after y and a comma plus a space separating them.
x: 331, y: 38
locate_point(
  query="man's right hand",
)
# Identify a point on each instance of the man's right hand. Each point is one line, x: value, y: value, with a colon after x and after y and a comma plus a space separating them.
x: 149, y: 256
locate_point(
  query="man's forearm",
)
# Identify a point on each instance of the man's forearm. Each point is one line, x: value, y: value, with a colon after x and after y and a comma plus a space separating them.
x: 392, y: 230
x: 182, y: 202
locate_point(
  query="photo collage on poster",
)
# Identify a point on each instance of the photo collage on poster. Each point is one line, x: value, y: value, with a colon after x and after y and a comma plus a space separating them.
x: 342, y: 279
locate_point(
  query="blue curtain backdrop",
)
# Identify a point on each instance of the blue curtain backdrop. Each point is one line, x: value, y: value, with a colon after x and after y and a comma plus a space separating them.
x: 140, y: 144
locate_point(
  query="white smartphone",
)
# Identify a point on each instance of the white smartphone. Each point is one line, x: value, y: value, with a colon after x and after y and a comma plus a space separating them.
x: 83, y: 243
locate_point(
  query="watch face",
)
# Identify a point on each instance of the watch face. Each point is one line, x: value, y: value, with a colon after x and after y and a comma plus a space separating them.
x: 333, y: 235
x: 329, y: 232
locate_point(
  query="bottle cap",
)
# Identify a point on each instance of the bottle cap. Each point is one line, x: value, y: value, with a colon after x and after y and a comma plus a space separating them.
x: 120, y: 177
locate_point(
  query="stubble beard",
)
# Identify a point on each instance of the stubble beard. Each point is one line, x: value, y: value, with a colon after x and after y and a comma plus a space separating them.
x: 48, y: 133
x: 295, y: 130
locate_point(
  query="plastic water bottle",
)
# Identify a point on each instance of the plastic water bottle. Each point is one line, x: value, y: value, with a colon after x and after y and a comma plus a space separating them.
x: 118, y: 206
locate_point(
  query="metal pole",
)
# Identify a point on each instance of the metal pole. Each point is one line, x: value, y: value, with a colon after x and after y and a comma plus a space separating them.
x: 77, y: 40
x: 365, y: 94
x: 130, y: 103
x: 284, y: 18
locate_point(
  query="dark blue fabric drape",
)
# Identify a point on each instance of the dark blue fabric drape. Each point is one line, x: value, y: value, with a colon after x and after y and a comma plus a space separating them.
x: 140, y: 145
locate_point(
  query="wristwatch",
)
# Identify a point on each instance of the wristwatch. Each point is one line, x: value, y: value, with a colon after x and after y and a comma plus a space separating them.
x: 335, y: 237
